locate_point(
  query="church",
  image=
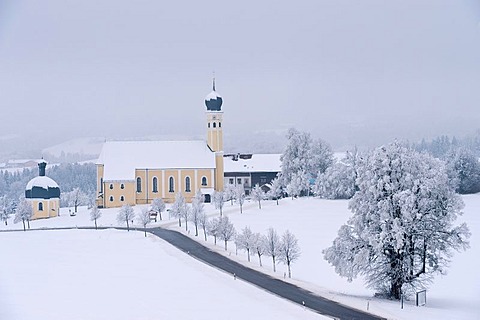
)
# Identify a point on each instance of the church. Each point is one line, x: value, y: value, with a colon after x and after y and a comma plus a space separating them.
x: 136, y: 172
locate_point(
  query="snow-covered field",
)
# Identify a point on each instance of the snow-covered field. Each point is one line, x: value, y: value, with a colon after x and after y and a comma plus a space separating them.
x: 95, y: 274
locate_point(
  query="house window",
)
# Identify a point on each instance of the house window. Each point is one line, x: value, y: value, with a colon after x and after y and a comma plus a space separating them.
x: 139, y: 184
x: 263, y: 180
x: 155, y: 184
x: 40, y: 206
x: 230, y: 180
x: 111, y: 186
x: 122, y: 198
x: 171, y: 187
x: 204, y: 181
x: 111, y: 198
x: 239, y: 181
x: 187, y: 184
x: 122, y: 186
x: 214, y: 124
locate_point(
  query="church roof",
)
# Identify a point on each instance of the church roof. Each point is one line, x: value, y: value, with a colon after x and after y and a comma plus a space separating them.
x: 41, y: 182
x: 121, y: 158
x: 257, y: 163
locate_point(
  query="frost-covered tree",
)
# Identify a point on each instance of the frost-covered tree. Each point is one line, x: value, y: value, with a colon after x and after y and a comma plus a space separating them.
x: 6, y: 209
x: 289, y: 250
x: 272, y: 245
x: 219, y: 198
x: 74, y: 198
x: 95, y: 214
x: 259, y: 246
x: 276, y: 190
x: 144, y: 219
x: 466, y: 167
x: 226, y: 231
x: 159, y: 206
x: 240, y: 196
x: 178, y: 207
x: 213, y: 228
x: 203, y: 223
x: 303, y: 154
x: 230, y: 193
x: 24, y: 213
x: 126, y: 214
x: 402, y: 229
x: 198, y: 209
x: 339, y: 180
x: 246, y: 241
x: 298, y: 184
x: 258, y: 195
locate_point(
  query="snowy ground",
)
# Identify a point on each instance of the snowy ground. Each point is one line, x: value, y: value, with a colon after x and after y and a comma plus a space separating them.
x: 315, y: 223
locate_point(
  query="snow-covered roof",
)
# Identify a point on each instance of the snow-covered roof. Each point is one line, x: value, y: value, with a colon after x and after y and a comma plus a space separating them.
x: 42, y: 182
x: 212, y: 96
x: 257, y: 163
x: 121, y: 158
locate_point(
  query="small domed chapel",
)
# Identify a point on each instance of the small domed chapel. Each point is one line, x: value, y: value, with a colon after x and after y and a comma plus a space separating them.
x: 136, y: 172
x: 44, y: 194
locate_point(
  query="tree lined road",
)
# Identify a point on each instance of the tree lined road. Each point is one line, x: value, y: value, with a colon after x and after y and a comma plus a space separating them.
x: 276, y: 286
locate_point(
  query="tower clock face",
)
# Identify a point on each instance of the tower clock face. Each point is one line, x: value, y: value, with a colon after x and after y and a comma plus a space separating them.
x: 214, y: 117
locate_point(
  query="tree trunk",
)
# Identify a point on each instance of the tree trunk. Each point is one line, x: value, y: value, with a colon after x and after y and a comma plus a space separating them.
x: 215, y: 240
x: 248, y: 255
x: 396, y: 289
x: 24, y: 225
x: 145, y: 228
x: 76, y: 206
x: 274, y: 269
x: 95, y: 224
x: 225, y: 245
x: 205, y: 233
x: 179, y: 222
x: 221, y: 213
x: 259, y: 205
x: 28, y: 223
x: 260, y: 259
x: 196, y: 230
x: 289, y: 272
x: 241, y: 209
x: 128, y: 227
x: 186, y: 224
x: 6, y: 223
x: 277, y: 201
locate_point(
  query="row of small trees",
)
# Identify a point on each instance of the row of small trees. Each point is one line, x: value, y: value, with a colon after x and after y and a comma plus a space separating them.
x: 284, y: 249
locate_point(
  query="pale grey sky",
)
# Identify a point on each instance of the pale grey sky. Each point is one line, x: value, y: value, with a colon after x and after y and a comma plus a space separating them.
x: 351, y: 72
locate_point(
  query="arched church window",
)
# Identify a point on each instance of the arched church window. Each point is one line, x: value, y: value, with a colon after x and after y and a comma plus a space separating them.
x: 111, y: 186
x: 171, y: 187
x: 111, y: 198
x: 139, y: 184
x: 187, y: 184
x: 40, y: 206
x: 122, y: 198
x: 214, y: 124
x: 122, y: 186
x: 155, y: 184
x: 219, y: 124
x: 209, y: 124
x: 204, y: 181
x: 101, y: 185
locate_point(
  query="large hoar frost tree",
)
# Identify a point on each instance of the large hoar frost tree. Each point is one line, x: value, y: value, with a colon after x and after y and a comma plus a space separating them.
x: 402, y: 230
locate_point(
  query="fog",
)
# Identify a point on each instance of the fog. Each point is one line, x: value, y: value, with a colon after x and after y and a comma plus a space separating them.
x: 350, y: 72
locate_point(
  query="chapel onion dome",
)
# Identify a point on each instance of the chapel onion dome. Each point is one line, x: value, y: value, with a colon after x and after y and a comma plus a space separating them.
x: 42, y: 187
x: 213, y: 100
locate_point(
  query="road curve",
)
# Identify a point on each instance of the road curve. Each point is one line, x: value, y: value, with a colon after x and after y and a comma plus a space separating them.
x: 276, y: 286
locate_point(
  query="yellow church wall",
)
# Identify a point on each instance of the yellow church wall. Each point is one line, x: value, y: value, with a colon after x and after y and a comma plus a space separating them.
x: 113, y: 193
x: 50, y: 208
x: 215, y: 134
x: 219, y: 171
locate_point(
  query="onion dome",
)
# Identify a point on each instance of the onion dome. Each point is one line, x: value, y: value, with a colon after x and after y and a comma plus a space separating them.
x: 213, y: 100
x: 42, y: 187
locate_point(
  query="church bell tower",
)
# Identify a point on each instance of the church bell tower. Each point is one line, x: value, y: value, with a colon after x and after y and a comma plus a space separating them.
x: 214, y: 113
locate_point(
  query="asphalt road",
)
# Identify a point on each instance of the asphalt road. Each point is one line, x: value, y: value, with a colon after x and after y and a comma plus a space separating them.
x: 276, y: 286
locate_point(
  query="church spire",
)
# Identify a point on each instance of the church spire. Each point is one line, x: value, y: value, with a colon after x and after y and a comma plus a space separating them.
x: 213, y: 80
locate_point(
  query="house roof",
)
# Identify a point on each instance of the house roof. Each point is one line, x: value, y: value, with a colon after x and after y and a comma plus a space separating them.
x: 257, y: 163
x: 121, y: 158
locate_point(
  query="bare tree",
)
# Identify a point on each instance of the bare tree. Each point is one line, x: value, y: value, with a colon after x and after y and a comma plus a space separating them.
x: 257, y: 195
x: 126, y: 214
x: 230, y: 193
x: 272, y: 245
x: 245, y: 241
x: 203, y: 222
x: 226, y: 230
x: 219, y: 200
x: 95, y: 214
x: 178, y: 207
x: 144, y: 219
x: 213, y: 229
x: 159, y: 206
x: 240, y: 196
x: 5, y: 209
x: 198, y: 209
x: 23, y: 212
x: 259, y: 246
x: 289, y: 250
